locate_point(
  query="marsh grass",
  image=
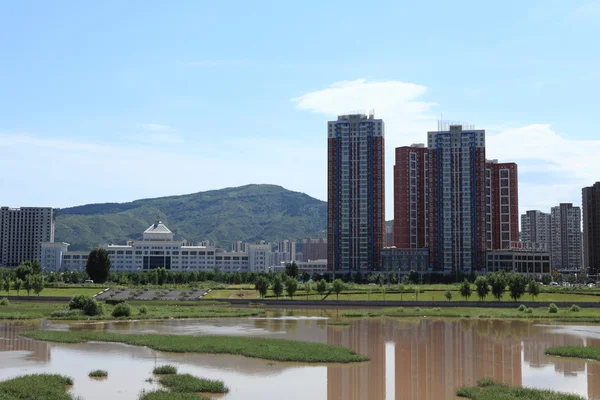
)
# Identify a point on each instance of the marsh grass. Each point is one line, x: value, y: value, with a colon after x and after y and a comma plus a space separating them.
x: 256, y: 347
x: 186, y: 383
x: 36, y: 387
x: 588, y: 353
x: 487, y: 389
x: 339, y: 323
x: 166, y: 369
x: 167, y: 395
x: 98, y: 373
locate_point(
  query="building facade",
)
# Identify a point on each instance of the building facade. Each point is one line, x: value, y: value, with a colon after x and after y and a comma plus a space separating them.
x: 356, y: 193
x: 591, y: 228
x: 457, y: 201
x: 402, y: 261
x: 566, y: 243
x: 314, y: 249
x: 22, y: 230
x: 522, y: 261
x: 502, y: 204
x: 289, y: 247
x: 536, y: 228
x: 51, y: 254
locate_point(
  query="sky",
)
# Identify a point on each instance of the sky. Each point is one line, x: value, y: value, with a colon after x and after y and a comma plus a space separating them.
x: 114, y: 101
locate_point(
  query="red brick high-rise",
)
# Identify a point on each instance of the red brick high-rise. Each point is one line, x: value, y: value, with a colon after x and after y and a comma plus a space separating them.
x: 502, y: 204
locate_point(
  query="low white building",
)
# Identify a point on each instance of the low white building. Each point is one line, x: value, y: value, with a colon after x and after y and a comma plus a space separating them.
x: 51, y: 255
x: 75, y: 260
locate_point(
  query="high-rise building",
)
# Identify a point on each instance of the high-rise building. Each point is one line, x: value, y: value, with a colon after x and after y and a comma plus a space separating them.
x: 238, y: 246
x: 566, y: 248
x: 314, y: 249
x: 410, y: 197
x: 457, y: 201
x: 356, y: 193
x: 535, y: 228
x: 287, y: 246
x: 591, y: 228
x: 502, y: 204
x: 22, y: 230
x: 389, y: 235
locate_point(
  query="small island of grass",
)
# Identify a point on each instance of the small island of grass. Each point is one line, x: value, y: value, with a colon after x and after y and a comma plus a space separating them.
x: 36, y: 387
x: 166, y: 395
x: 186, y: 383
x: 166, y: 369
x: 487, y: 389
x: 588, y: 353
x: 265, y: 348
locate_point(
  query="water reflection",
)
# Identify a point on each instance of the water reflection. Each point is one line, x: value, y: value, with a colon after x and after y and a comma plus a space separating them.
x: 411, y: 359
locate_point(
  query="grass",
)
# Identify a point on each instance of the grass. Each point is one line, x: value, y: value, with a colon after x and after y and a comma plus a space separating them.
x: 186, y: 383
x: 563, y: 314
x: 98, y: 373
x: 487, y: 389
x: 588, y: 353
x: 165, y: 370
x: 59, y: 292
x: 153, y: 310
x: 339, y: 323
x: 268, y: 349
x: 36, y: 387
x: 166, y: 395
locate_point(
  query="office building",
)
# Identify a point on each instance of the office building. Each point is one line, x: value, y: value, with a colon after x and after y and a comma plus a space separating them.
x: 289, y: 247
x: 314, y: 249
x: 502, y: 204
x: 51, y: 254
x: 526, y: 261
x: 566, y: 248
x: 356, y: 193
x: 457, y: 204
x: 536, y: 228
x: 401, y: 262
x: 22, y: 230
x: 591, y: 228
x: 389, y: 236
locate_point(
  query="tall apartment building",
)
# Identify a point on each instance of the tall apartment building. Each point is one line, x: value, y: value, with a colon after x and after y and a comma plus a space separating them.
x: 356, y: 193
x: 287, y: 246
x: 502, y: 204
x: 411, y: 197
x: 536, y: 228
x: 457, y: 212
x: 566, y: 250
x: 591, y: 228
x: 314, y: 249
x: 22, y: 230
x: 389, y: 235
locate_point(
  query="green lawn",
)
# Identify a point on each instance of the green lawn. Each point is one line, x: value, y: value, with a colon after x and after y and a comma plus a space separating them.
x: 63, y: 292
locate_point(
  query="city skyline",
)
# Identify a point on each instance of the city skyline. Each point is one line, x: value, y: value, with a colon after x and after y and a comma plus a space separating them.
x: 194, y: 92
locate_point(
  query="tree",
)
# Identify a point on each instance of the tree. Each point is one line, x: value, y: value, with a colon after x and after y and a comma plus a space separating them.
x: 28, y: 283
x: 291, y: 285
x: 482, y: 288
x: 448, y: 295
x: 546, y: 279
x: 413, y: 277
x: 6, y: 286
x: 465, y: 289
x: 379, y: 280
x: 498, y: 283
x: 261, y: 285
x: 291, y: 269
x: 516, y: 286
x: 277, y: 286
x: 98, y: 265
x: 321, y: 287
x: 401, y: 289
x: 161, y: 275
x: 37, y: 284
x: 23, y: 270
x: 338, y: 286
x: 17, y: 285
x: 533, y: 288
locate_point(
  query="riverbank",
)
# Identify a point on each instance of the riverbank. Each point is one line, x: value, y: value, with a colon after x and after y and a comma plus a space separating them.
x: 254, y: 347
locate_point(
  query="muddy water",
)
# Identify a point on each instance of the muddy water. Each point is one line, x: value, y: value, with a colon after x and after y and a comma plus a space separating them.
x: 411, y: 359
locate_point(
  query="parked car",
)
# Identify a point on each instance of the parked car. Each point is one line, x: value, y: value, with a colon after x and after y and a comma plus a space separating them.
x: 88, y: 281
x: 553, y: 283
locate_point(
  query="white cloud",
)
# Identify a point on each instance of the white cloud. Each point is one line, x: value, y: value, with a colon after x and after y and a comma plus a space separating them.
x: 156, y: 127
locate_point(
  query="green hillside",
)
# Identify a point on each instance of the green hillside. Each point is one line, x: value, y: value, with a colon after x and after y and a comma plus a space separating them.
x: 247, y: 213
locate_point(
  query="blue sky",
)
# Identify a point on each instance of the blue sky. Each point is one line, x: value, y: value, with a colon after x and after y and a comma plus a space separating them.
x: 115, y: 101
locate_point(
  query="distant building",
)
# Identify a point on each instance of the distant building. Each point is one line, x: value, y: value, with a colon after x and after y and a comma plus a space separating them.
x: 566, y: 246
x: 389, y: 235
x: 502, y: 204
x: 77, y: 261
x: 289, y: 247
x: 402, y: 261
x: 51, y: 254
x: 356, y: 193
x: 22, y: 230
x: 525, y: 261
x: 591, y: 228
x: 536, y: 228
x: 238, y: 246
x: 314, y: 249
x: 309, y: 267
x: 258, y: 257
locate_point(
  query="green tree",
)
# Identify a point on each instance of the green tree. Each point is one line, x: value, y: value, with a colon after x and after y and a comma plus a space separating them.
x: 291, y: 269
x: 546, y: 279
x: 413, y: 277
x: 261, y: 285
x: 482, y: 288
x: 98, y: 265
x: 161, y: 275
x: 379, y: 280
x: 337, y: 287
x: 448, y: 295
x: 277, y: 286
x: 307, y: 289
x: 37, y: 284
x: 6, y: 286
x: 23, y: 270
x: 465, y: 289
x: 17, y: 285
x: 28, y: 284
x: 498, y: 283
x: 321, y: 287
x: 291, y: 285
x: 533, y: 288
x: 358, y: 278
x: 401, y: 289
x: 516, y: 286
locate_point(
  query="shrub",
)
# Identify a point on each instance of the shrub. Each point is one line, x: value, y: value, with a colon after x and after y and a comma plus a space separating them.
x: 529, y: 310
x: 4, y: 302
x: 166, y: 369
x: 143, y: 310
x: 66, y: 313
x: 552, y: 309
x: 121, y: 310
x: 98, y: 373
x: 575, y: 308
x: 437, y: 309
x: 521, y: 308
x: 400, y: 309
x: 418, y: 309
x: 87, y: 303
x: 485, y: 382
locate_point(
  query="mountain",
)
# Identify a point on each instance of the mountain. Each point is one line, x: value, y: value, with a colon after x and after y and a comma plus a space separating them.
x: 246, y: 213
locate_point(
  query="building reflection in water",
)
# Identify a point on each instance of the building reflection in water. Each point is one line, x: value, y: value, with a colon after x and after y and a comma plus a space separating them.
x: 11, y: 341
